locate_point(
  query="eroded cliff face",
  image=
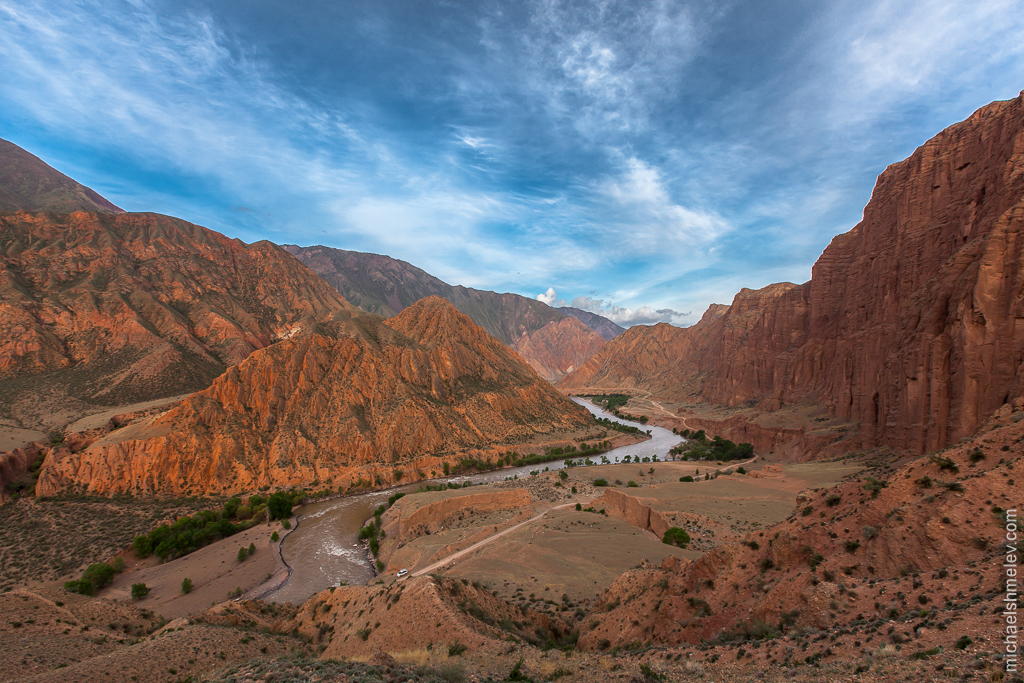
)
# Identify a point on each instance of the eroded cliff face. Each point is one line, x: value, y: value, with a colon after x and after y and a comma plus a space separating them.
x: 912, y: 322
x: 114, y: 308
x: 357, y: 397
x: 559, y: 347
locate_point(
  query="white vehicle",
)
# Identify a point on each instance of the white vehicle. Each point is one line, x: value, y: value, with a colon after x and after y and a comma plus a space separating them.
x: 402, y: 572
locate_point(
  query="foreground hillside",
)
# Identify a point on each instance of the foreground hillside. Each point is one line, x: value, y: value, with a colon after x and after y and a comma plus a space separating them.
x: 553, y: 341
x: 110, y: 309
x: 358, y: 400
x: 908, y: 324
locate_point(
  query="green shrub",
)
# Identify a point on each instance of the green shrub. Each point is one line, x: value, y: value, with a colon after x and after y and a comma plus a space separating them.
x: 285, y: 524
x: 740, y: 470
x: 252, y: 548
x: 578, y: 507
x: 243, y: 554
x: 600, y: 482
x: 687, y: 478
x: 118, y: 564
x: 851, y: 546
x: 833, y: 500
x: 963, y: 643
x: 100, y: 574
x: 632, y: 484
x: 186, y: 586
x: 275, y: 537
x: 455, y: 649
x: 563, y: 475
x: 139, y: 591
x: 80, y: 586
x: 677, y: 537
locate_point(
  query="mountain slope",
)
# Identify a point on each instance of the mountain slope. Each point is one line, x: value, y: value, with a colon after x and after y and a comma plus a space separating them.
x: 603, y: 326
x: 357, y: 397
x: 386, y: 286
x: 910, y: 323
x: 105, y: 308
x: 27, y: 183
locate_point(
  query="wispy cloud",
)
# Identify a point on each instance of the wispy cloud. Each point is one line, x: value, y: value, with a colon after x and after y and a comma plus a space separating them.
x: 651, y: 157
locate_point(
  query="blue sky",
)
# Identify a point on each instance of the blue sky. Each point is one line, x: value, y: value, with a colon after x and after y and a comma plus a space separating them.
x: 639, y: 159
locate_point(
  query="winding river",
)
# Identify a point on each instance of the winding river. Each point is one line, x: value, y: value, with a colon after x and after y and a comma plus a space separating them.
x: 324, y: 550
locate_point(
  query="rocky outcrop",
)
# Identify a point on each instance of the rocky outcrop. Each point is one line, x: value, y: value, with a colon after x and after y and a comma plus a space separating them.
x: 909, y: 324
x: 542, y: 335
x: 357, y: 397
x: 633, y: 510
x: 16, y: 464
x: 558, y: 348
x: 403, y: 524
x: 111, y: 308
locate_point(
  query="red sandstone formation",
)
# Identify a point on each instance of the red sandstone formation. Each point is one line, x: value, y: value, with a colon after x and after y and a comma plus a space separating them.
x: 113, y: 308
x: 357, y: 397
x: 910, y: 323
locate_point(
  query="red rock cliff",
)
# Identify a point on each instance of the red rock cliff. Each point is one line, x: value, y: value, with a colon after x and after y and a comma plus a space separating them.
x: 911, y: 322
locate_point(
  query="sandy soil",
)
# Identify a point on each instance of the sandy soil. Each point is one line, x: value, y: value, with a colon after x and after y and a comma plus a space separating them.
x: 214, y: 570
x: 99, y: 419
x: 12, y: 436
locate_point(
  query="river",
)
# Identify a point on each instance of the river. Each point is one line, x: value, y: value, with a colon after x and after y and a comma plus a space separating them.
x: 324, y: 549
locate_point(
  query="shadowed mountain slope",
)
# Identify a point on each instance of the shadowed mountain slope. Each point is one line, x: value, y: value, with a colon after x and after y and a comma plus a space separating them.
x: 386, y: 286
x: 27, y: 183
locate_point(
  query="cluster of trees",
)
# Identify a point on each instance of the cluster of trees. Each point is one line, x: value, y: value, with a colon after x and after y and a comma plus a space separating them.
x: 612, y: 403
x: 699, y: 447
x: 96, y: 576
x: 373, y: 533
x: 190, y: 533
x: 618, y: 426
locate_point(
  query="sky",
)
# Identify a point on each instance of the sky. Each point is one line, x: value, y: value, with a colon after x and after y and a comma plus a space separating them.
x: 641, y: 160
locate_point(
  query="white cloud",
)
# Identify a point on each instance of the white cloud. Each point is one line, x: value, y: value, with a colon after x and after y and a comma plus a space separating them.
x: 548, y: 297
x: 621, y: 315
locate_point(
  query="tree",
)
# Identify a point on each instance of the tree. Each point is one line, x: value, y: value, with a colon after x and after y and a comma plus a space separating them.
x: 280, y: 506
x: 243, y: 554
x: 677, y: 537
x: 118, y: 564
x: 80, y: 586
x: 143, y: 547
x: 139, y: 591
x: 186, y: 586
x: 252, y: 548
x: 275, y: 537
x: 100, y: 574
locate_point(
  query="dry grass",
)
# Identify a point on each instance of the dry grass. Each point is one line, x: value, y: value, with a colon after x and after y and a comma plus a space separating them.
x: 55, y: 539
